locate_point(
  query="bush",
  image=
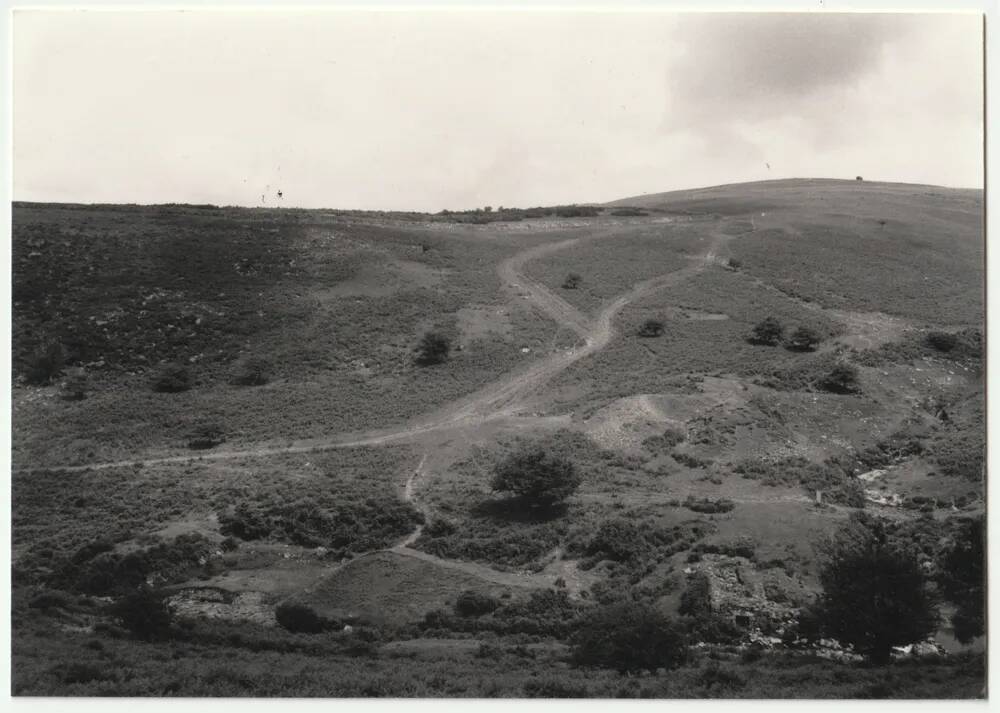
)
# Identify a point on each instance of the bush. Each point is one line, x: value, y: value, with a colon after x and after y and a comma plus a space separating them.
x: 665, y: 442
x: 252, y: 371
x: 769, y: 332
x: 804, y: 339
x: 629, y: 637
x: 704, y: 505
x: 205, y: 435
x: 470, y: 603
x: 301, y: 619
x: 874, y: 593
x: 74, y: 386
x: 618, y: 540
x: 842, y: 379
x: 942, y: 341
x: 572, y: 281
x: 735, y: 264
x: 145, y: 614
x: 629, y: 212
x: 171, y: 379
x: 45, y: 364
x: 651, y: 328
x: 433, y: 349
x: 540, y: 479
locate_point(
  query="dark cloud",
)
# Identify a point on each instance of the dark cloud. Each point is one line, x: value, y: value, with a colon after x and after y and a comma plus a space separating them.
x: 757, y: 66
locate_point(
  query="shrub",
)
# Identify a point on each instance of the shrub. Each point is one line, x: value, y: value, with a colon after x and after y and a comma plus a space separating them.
x: 205, y: 435
x: 769, y: 332
x: 144, y: 613
x: 572, y: 281
x: 842, y: 379
x: 433, y: 349
x: 804, y: 339
x: 45, y: 364
x: 735, y: 264
x: 629, y: 637
x: 665, y: 442
x: 554, y: 688
x: 540, y: 479
x: 171, y: 379
x: 470, y: 603
x: 252, y: 371
x: 651, y: 328
x: 82, y: 672
x: 618, y: 540
x: 942, y: 341
x: 629, y: 212
x: 74, y: 386
x: 704, y: 505
x: 874, y: 593
x: 301, y: 619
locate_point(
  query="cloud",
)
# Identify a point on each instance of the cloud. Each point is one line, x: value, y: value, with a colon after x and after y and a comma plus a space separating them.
x: 765, y: 65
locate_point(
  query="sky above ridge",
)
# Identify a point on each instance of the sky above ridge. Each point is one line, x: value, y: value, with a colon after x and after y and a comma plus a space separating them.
x: 433, y: 110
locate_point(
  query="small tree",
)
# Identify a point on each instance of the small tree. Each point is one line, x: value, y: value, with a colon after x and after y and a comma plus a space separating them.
x: 769, y: 331
x: 433, y: 349
x: 301, y: 619
x: 171, y: 379
x: 874, y: 593
x: 804, y: 339
x: 572, y: 281
x: 252, y: 371
x: 651, y: 328
x: 630, y: 637
x: 963, y: 580
x: 842, y: 379
x: 540, y: 479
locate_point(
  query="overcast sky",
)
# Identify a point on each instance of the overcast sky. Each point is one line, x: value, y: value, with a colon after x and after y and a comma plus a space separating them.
x: 457, y: 110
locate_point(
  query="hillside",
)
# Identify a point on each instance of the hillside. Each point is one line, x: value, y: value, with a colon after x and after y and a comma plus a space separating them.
x: 353, y: 481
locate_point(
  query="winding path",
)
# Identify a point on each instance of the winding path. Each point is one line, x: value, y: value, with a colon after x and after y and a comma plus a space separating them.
x: 498, y: 400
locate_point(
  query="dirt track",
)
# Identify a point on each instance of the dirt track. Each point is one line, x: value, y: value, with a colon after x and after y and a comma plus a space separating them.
x: 500, y: 399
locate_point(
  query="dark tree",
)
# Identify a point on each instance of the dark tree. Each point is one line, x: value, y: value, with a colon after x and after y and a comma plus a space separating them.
x: 842, y: 379
x: 433, y: 349
x: 540, y: 479
x: 572, y: 281
x: 144, y: 613
x: 963, y: 580
x: 769, y: 331
x: 804, y: 339
x: 171, y: 379
x: 874, y: 593
x: 630, y: 637
x: 651, y: 328
x: 252, y: 371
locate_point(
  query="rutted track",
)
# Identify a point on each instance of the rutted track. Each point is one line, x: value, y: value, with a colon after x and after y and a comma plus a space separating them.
x: 499, y: 399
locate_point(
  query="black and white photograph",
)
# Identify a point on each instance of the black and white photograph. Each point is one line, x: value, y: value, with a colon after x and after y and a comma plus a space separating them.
x: 500, y: 352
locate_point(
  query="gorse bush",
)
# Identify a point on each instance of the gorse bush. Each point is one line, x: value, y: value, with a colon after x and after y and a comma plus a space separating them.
x: 252, y: 371
x: 144, y: 613
x: 942, y: 341
x: 629, y: 637
x: 470, y: 603
x: 769, y: 332
x: 205, y: 435
x: 301, y: 619
x: 45, y: 364
x: 171, y: 379
x: 651, y: 328
x: 433, y: 349
x: 803, y: 339
x: 842, y: 379
x: 572, y: 281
